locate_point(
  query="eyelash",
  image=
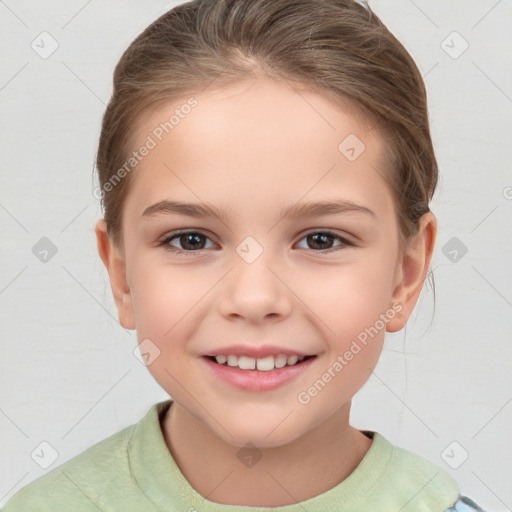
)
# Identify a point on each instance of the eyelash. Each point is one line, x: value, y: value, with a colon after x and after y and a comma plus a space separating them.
x: 165, y: 242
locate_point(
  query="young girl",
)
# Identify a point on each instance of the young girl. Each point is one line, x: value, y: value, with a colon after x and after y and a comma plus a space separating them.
x: 266, y: 169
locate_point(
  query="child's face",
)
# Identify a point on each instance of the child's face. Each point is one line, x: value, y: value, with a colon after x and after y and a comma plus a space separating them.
x: 252, y: 151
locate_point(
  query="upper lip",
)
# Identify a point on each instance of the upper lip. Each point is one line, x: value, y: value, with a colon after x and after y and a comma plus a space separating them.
x: 256, y: 352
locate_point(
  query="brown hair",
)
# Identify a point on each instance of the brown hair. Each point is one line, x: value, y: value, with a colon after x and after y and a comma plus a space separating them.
x: 339, y: 48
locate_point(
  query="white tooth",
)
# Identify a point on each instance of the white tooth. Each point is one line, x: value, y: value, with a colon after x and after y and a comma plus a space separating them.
x: 232, y: 360
x: 221, y: 359
x: 292, y: 360
x: 265, y: 364
x: 301, y: 358
x: 246, y: 363
x: 280, y: 361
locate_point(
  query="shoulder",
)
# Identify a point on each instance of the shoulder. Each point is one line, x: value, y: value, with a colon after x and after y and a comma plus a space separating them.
x: 419, y: 484
x: 419, y: 473
x: 410, y: 482
x: 79, y: 483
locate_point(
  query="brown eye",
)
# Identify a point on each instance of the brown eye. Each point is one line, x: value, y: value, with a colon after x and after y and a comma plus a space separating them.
x: 189, y: 241
x: 323, y: 241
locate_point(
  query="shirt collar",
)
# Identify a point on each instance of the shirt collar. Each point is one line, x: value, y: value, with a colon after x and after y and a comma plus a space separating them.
x: 157, y: 474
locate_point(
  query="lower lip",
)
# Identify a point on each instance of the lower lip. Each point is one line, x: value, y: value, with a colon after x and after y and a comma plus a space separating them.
x: 256, y: 380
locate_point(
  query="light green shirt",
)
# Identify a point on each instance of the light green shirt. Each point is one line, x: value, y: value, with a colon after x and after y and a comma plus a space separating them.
x: 134, y: 470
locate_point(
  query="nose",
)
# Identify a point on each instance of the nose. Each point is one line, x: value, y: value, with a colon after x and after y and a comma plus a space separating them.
x: 255, y: 291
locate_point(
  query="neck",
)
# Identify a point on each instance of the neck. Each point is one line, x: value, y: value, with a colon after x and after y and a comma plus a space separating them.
x: 308, y: 466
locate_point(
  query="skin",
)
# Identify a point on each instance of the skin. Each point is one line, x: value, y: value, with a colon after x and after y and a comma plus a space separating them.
x: 253, y: 149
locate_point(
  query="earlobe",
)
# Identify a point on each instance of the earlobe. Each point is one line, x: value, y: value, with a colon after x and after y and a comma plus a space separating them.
x: 412, y: 271
x: 115, y: 264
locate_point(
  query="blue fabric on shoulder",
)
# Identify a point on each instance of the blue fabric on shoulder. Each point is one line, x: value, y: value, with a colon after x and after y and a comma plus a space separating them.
x: 465, y: 504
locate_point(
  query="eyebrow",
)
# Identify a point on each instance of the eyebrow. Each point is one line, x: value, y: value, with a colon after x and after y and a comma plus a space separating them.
x: 307, y: 209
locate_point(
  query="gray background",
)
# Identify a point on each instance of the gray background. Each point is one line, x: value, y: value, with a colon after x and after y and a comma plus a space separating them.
x: 68, y: 374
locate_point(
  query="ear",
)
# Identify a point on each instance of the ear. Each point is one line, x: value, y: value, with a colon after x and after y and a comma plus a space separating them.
x: 115, y: 264
x: 412, y: 270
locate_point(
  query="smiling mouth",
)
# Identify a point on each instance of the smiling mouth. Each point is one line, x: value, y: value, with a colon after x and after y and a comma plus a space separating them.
x: 268, y: 363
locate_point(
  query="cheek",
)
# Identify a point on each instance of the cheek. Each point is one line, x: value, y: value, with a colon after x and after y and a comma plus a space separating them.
x: 351, y: 298
x: 166, y: 303
x: 353, y: 301
x: 352, y: 304
x: 164, y: 298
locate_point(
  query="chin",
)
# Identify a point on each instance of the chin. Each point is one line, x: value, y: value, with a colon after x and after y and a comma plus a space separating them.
x: 258, y: 434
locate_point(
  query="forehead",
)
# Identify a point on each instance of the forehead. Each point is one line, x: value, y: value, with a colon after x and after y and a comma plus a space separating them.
x: 254, y: 143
